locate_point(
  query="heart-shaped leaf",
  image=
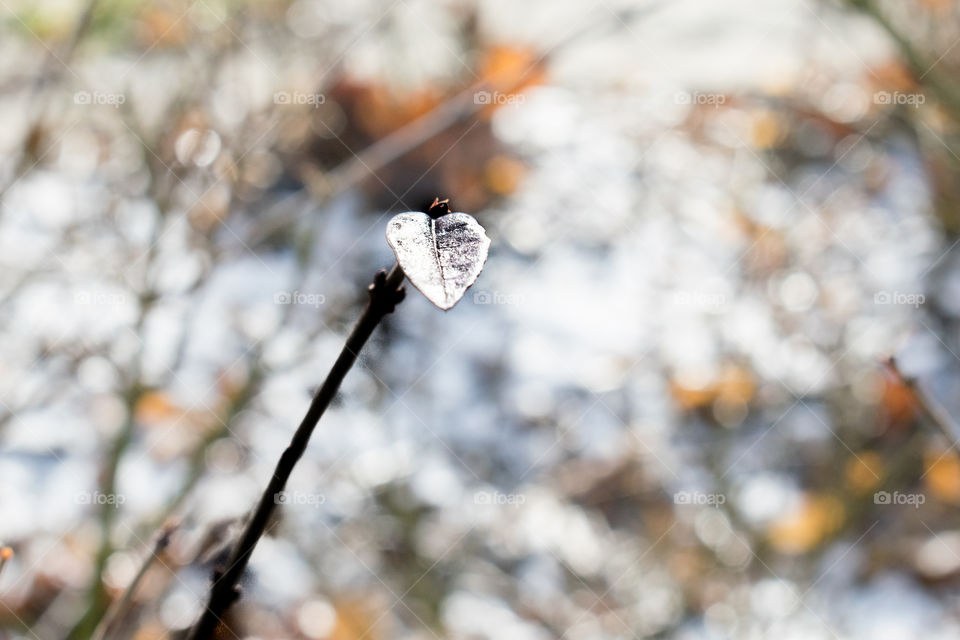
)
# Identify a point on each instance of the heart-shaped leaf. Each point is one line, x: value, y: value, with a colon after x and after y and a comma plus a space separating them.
x: 442, y: 257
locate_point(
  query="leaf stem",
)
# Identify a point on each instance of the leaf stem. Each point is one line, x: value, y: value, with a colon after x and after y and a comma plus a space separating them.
x: 385, y: 293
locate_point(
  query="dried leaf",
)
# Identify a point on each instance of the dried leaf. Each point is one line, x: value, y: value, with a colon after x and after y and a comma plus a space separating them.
x: 442, y: 257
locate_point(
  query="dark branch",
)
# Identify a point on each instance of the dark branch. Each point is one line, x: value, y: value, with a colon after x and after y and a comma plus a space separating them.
x: 385, y: 293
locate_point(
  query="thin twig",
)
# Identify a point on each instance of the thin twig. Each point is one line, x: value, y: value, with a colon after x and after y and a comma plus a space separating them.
x: 116, y: 613
x: 385, y: 293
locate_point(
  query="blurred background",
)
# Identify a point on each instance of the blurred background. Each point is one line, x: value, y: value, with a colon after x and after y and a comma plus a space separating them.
x: 664, y: 410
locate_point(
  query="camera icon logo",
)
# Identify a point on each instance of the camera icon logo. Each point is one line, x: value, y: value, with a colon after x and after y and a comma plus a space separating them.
x: 482, y: 297
x: 682, y: 97
x: 282, y: 297
x: 82, y: 97
x: 281, y: 97
x: 881, y: 497
x: 482, y: 97
x: 881, y: 297
x: 882, y: 97
x: 682, y: 497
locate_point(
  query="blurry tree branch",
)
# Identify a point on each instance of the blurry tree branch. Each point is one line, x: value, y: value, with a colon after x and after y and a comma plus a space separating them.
x: 197, y: 460
x: 405, y: 139
x: 935, y: 413
x: 47, y: 70
x: 117, y: 612
x: 945, y: 89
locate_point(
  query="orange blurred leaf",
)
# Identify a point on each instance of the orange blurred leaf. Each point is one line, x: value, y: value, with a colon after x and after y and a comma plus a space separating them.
x: 765, y: 129
x: 512, y: 68
x: 942, y: 475
x: 502, y: 174
x: 898, y: 401
x: 733, y: 386
x: 864, y: 471
x: 156, y: 406
x: 800, y: 531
